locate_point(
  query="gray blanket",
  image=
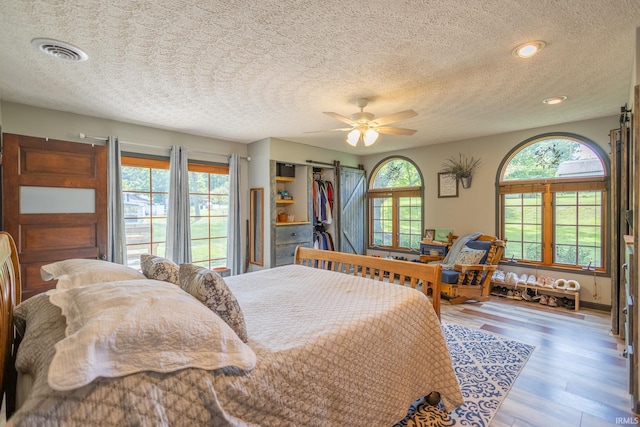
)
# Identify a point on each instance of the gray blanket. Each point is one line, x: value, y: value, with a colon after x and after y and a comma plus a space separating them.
x: 449, y: 260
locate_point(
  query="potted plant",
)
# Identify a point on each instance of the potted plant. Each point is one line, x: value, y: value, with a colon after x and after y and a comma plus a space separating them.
x: 462, y: 167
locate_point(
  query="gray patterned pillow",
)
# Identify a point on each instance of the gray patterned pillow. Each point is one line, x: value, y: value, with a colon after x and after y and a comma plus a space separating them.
x: 210, y: 289
x: 469, y: 256
x: 158, y: 268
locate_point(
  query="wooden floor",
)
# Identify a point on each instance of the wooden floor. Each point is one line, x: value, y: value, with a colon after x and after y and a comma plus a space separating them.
x: 576, y: 376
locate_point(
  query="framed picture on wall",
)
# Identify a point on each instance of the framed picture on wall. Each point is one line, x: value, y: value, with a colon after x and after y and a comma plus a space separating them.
x: 447, y: 185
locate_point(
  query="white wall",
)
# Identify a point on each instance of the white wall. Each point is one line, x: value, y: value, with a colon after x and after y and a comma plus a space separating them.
x: 475, y: 208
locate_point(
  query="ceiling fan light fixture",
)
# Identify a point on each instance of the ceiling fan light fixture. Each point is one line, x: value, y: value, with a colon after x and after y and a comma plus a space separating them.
x: 353, y: 137
x: 527, y: 50
x: 370, y: 136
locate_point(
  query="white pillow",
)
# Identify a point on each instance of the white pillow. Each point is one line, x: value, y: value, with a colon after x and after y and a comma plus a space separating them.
x: 80, y: 272
x: 120, y: 328
x: 469, y: 256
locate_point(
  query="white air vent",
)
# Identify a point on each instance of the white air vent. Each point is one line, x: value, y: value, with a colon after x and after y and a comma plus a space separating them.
x: 60, y: 50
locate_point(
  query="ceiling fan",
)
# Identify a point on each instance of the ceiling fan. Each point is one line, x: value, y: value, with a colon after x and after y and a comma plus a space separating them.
x: 365, y: 127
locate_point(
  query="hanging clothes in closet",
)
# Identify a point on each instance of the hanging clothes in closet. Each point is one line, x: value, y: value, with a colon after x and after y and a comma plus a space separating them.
x: 322, y: 211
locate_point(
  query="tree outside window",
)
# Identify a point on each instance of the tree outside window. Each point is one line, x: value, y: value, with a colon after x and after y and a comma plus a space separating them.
x: 395, y: 205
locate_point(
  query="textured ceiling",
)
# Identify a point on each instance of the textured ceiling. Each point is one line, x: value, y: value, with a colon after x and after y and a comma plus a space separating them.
x: 246, y: 70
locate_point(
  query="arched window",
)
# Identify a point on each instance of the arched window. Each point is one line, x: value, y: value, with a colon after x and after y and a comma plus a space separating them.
x: 553, y: 202
x: 395, y: 204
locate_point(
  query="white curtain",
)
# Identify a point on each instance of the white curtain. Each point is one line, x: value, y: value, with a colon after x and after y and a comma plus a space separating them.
x: 116, y: 246
x: 234, y: 242
x: 178, y: 227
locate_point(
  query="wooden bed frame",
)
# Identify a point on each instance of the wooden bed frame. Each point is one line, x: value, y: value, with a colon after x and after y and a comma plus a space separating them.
x: 405, y: 272
x: 10, y: 290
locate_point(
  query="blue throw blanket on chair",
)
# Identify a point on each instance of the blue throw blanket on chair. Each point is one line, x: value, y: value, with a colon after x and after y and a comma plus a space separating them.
x: 449, y: 260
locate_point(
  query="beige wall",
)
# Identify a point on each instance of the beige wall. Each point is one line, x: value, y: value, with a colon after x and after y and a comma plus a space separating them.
x: 291, y: 152
x: 41, y: 122
x: 263, y: 151
x: 44, y: 123
x: 475, y: 208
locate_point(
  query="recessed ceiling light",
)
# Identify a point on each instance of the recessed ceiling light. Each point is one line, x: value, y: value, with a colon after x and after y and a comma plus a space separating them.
x: 554, y: 100
x: 60, y: 50
x: 529, y: 49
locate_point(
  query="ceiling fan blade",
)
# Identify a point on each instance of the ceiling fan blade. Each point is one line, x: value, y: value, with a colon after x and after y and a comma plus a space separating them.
x: 339, y: 117
x: 390, y: 130
x: 392, y: 118
x: 331, y: 130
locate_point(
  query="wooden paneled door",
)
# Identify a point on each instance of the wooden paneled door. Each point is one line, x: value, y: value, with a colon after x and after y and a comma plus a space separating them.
x: 54, y: 203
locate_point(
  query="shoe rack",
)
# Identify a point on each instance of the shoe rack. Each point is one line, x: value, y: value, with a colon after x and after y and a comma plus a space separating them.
x: 541, y: 290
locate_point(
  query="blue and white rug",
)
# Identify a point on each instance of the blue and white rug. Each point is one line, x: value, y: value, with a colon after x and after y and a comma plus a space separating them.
x: 486, y: 366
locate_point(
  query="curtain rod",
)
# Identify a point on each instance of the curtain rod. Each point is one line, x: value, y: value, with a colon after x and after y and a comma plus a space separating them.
x: 105, y: 139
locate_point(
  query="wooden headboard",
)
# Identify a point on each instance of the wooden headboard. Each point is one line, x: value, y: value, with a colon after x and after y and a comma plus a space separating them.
x: 10, y: 289
x: 404, y: 272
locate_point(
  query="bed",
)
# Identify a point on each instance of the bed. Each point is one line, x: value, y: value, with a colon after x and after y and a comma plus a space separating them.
x: 330, y: 349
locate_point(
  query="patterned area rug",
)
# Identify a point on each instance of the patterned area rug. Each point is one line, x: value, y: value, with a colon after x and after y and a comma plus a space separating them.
x: 486, y: 366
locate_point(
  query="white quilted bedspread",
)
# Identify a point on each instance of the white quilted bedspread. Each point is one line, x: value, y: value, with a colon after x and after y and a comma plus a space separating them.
x: 332, y: 349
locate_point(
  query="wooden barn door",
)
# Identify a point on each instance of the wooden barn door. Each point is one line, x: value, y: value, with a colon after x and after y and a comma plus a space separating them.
x: 352, y: 202
x: 54, y: 203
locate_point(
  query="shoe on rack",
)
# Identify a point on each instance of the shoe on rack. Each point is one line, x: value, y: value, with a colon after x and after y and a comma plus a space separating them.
x: 560, y: 284
x: 540, y: 281
x: 531, y: 280
x: 511, y: 277
x: 499, y: 276
x: 572, y: 285
x: 527, y: 295
x: 548, y: 282
x: 522, y: 280
x: 553, y: 302
x: 544, y: 300
x: 570, y: 304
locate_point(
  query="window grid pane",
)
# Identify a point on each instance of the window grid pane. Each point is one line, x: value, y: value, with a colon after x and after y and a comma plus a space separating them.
x: 410, y: 222
x: 144, y: 211
x: 209, y: 197
x: 578, y: 231
x: 522, y: 226
x: 382, y: 221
